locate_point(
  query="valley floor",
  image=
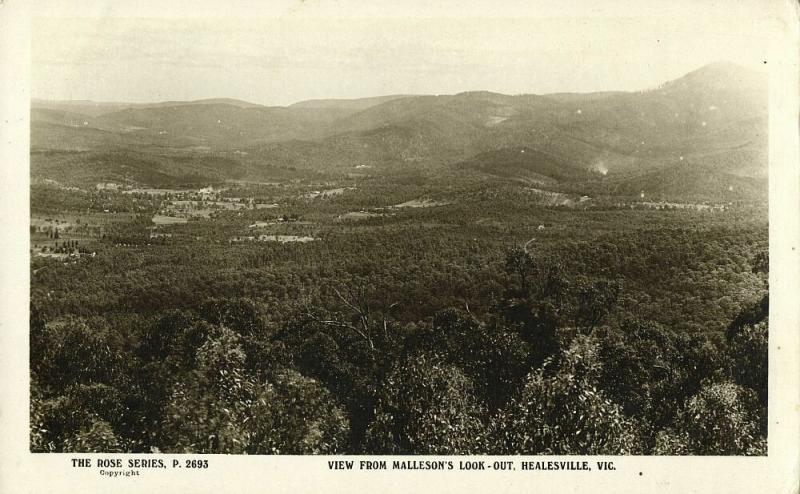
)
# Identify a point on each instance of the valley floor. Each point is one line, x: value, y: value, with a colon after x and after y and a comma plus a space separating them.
x: 391, y: 308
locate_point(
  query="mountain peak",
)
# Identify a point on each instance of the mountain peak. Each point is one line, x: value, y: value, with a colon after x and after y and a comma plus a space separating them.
x: 724, y: 69
x: 719, y: 75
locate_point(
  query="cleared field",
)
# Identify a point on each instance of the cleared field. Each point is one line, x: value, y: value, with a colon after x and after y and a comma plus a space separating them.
x: 273, y: 238
x: 325, y: 193
x: 56, y: 234
x: 168, y: 220
x: 156, y: 192
x: 285, y: 238
x: 420, y: 203
x: 358, y: 215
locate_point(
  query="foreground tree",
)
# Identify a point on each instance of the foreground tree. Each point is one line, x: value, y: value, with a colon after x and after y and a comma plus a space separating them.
x: 426, y: 407
x: 650, y: 371
x: 594, y: 302
x: 80, y: 420
x: 564, y: 412
x: 98, y: 437
x: 294, y: 415
x: 493, y: 356
x: 72, y: 354
x: 722, y: 419
x: 748, y: 347
x: 221, y: 408
x: 535, y: 303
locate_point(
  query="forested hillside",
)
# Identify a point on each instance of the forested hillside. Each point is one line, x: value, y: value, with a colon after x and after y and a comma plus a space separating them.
x: 714, y: 118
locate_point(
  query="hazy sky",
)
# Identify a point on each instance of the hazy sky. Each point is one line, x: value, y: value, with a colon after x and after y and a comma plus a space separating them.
x: 287, y: 58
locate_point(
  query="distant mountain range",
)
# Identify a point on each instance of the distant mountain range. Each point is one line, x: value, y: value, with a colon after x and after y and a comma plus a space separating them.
x: 713, y: 119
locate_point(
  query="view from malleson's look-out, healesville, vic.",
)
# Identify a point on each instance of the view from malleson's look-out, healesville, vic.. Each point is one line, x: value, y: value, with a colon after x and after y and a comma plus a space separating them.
x: 462, y: 273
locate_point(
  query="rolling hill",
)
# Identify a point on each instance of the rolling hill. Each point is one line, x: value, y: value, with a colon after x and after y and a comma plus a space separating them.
x: 692, y: 181
x: 714, y: 117
x: 524, y: 164
x: 346, y: 104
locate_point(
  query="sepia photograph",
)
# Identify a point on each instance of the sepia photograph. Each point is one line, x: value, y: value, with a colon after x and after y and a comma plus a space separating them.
x: 403, y: 237
x: 457, y: 246
x: 316, y: 246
